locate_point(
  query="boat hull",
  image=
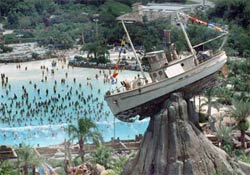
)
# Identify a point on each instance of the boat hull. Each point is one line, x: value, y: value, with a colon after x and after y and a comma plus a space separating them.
x: 126, y: 105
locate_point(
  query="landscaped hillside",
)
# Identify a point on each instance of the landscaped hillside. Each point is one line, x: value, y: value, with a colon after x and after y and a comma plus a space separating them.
x: 59, y: 23
x: 63, y: 23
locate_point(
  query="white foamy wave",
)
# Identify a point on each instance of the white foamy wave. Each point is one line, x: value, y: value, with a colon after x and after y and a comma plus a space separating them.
x: 143, y: 121
x: 105, y: 123
x: 42, y: 127
x: 146, y: 120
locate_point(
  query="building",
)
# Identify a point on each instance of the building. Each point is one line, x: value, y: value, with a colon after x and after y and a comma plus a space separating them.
x: 152, y: 11
x: 7, y: 152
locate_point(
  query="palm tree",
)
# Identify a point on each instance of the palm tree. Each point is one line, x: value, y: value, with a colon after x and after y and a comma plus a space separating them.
x: 224, y: 135
x: 7, y: 168
x: 85, y: 130
x: 27, y: 157
x: 240, y: 113
x: 91, y: 48
x: 98, y: 49
x: 209, y: 101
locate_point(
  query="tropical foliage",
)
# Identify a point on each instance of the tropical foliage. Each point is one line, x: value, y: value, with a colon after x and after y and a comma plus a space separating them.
x: 244, y: 158
x: 63, y: 23
x: 241, y: 112
x: 209, y: 101
x: 28, y: 159
x: 224, y: 135
x: 118, y: 165
x: 236, y: 14
x: 86, y: 130
x: 6, y: 168
x: 102, y: 155
x: 96, y: 52
x: 4, y: 49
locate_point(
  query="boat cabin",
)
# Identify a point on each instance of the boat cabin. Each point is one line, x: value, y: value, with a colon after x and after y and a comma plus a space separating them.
x: 159, y: 64
x: 157, y: 61
x: 167, y: 63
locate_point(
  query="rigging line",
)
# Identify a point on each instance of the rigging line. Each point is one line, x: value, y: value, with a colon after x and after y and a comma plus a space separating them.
x: 208, y: 41
x: 224, y: 41
x: 132, y: 46
x: 196, y: 61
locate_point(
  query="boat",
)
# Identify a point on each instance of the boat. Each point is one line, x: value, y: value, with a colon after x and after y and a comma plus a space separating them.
x: 168, y: 73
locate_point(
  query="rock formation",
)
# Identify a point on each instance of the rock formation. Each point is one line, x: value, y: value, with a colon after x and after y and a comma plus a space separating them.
x: 172, y: 145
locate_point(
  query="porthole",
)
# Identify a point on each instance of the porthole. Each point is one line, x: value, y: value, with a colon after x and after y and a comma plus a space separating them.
x: 182, y: 64
x: 160, y: 73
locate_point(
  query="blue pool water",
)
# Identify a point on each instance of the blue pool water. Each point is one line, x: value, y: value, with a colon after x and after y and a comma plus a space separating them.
x: 36, y: 107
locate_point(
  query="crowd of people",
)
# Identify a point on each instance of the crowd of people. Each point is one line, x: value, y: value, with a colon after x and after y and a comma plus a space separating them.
x: 51, y: 100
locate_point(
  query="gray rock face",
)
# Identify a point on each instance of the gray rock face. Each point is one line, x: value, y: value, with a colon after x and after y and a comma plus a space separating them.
x: 172, y: 145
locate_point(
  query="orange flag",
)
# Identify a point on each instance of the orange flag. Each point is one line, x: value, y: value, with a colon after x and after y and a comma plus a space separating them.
x: 115, y: 73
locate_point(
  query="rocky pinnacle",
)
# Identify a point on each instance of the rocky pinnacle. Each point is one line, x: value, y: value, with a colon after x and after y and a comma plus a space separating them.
x: 172, y: 145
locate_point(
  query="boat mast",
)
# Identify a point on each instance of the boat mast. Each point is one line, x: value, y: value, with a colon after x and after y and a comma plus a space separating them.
x: 132, y: 46
x: 187, y: 39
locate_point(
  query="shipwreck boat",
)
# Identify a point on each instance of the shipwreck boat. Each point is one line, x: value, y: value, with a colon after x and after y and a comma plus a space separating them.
x: 168, y: 72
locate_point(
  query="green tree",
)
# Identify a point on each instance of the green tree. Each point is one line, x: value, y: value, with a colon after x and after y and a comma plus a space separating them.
x: 118, y: 165
x: 140, y: 34
x: 209, y: 101
x: 24, y: 22
x: 224, y: 95
x: 45, y: 7
x: 5, y: 49
x: 239, y: 39
x: 240, y: 112
x: 102, y: 155
x: 27, y: 158
x: 234, y: 13
x: 6, y: 6
x: 6, y: 168
x: 91, y: 48
x: 237, y: 11
x: 110, y: 10
x: 98, y: 50
x: 13, y: 19
x: 86, y: 130
x: 59, y: 36
x: 224, y: 135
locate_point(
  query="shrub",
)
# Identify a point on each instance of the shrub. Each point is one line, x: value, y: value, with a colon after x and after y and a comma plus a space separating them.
x: 35, y: 55
x: 118, y: 165
x: 5, y: 49
x: 79, y: 58
x: 102, y: 155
